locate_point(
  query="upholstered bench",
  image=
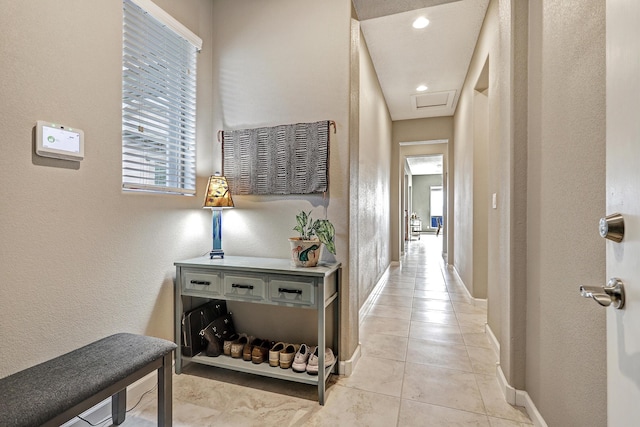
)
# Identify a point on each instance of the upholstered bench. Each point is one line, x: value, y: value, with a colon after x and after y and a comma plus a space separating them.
x: 53, y: 392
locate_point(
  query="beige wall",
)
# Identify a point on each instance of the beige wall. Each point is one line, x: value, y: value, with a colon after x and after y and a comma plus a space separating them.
x: 80, y: 258
x: 439, y: 128
x: 475, y: 120
x: 374, y: 174
x: 276, y: 63
x: 93, y: 265
x: 546, y: 120
x: 566, y: 187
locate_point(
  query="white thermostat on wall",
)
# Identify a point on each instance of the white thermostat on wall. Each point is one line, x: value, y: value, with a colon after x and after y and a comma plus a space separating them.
x: 58, y: 141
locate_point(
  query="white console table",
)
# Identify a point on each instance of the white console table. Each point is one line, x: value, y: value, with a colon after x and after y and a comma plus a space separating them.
x: 261, y: 281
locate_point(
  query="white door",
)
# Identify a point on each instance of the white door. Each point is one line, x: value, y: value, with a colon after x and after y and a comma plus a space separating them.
x: 623, y: 196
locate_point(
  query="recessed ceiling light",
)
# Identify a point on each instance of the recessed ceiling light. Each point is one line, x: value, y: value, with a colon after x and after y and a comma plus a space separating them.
x: 421, y: 22
x: 421, y: 88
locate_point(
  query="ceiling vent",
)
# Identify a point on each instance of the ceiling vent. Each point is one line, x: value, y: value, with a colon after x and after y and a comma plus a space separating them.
x: 433, y: 100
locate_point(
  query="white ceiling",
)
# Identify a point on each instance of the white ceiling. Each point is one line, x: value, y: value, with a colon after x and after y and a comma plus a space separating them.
x: 437, y: 56
x: 425, y: 165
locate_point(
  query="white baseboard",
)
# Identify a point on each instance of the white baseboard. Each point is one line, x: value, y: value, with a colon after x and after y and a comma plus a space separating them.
x: 346, y: 367
x: 519, y: 398
x: 102, y: 410
x: 495, y: 344
x: 364, y: 310
x: 478, y: 302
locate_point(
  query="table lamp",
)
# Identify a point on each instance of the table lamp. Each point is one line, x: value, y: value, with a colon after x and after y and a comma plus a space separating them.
x: 217, y: 197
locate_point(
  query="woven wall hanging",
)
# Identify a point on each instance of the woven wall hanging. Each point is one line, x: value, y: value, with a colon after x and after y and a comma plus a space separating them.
x: 285, y: 159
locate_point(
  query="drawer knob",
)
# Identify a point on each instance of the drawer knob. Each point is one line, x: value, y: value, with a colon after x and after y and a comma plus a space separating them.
x: 290, y: 291
x: 200, y: 282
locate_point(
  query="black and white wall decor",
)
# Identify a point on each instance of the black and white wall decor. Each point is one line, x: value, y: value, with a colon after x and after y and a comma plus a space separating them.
x: 285, y: 159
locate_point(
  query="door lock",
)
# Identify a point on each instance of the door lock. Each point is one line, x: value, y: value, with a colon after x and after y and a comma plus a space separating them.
x: 612, y: 227
x: 611, y: 294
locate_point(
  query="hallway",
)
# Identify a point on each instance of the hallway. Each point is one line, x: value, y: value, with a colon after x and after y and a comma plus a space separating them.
x: 442, y: 365
x: 425, y: 362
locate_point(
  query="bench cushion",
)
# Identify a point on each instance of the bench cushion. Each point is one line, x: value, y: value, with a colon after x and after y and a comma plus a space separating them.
x: 37, y: 394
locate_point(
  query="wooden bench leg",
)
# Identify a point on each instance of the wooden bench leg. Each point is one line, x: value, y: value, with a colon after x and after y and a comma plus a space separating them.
x: 119, y: 407
x: 165, y: 402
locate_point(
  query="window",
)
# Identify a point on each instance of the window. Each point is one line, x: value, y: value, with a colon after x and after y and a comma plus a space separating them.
x: 158, y: 101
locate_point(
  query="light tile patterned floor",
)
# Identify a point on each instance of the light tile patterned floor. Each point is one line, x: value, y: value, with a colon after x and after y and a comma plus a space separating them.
x: 426, y: 361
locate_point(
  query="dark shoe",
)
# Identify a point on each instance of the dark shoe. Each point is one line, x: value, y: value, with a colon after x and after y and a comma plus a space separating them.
x: 260, y: 352
x: 214, y: 344
x: 248, y: 348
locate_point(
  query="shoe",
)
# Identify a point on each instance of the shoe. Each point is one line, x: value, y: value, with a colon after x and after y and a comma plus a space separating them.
x: 228, y: 342
x: 238, y: 346
x: 274, y: 354
x: 300, y: 359
x: 248, y: 348
x: 260, y: 353
x: 312, y: 365
x: 287, y: 355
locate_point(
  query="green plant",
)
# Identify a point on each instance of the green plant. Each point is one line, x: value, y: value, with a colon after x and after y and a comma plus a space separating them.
x: 321, y: 228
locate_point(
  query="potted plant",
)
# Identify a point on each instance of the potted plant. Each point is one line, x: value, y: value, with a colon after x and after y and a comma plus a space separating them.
x: 306, y: 249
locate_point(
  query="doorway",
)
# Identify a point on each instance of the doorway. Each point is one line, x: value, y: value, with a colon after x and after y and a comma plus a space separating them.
x: 425, y: 206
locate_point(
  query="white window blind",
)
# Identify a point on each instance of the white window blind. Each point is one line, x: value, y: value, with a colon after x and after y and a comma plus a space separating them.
x: 158, y: 101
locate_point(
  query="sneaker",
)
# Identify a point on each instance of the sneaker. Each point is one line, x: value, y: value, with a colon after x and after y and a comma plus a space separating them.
x: 300, y: 360
x: 274, y: 354
x: 287, y: 355
x: 312, y: 366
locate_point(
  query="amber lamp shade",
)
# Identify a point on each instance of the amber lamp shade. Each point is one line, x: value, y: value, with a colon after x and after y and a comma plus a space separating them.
x: 217, y: 194
x: 217, y: 197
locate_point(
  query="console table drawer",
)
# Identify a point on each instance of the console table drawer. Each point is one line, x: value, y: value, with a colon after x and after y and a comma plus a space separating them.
x: 202, y: 281
x: 245, y: 287
x: 295, y: 292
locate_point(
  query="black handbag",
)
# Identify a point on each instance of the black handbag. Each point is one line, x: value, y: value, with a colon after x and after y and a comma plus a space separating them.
x: 194, y: 321
x: 216, y: 332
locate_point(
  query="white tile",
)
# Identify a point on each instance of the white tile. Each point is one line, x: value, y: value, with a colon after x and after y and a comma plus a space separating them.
x: 463, y: 307
x: 475, y: 339
x: 432, y: 304
x: 385, y: 347
x: 390, y: 311
x: 499, y: 422
x: 434, y: 353
x: 351, y: 407
x: 494, y: 401
x: 377, y: 375
x: 443, y: 387
x: 435, y: 332
x: 434, y: 316
x: 394, y: 301
x: 417, y: 414
x: 483, y: 360
x: 440, y: 295
x: 401, y: 292
x: 384, y: 325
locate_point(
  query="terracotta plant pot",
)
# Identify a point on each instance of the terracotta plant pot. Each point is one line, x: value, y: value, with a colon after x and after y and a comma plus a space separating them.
x: 305, y: 253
